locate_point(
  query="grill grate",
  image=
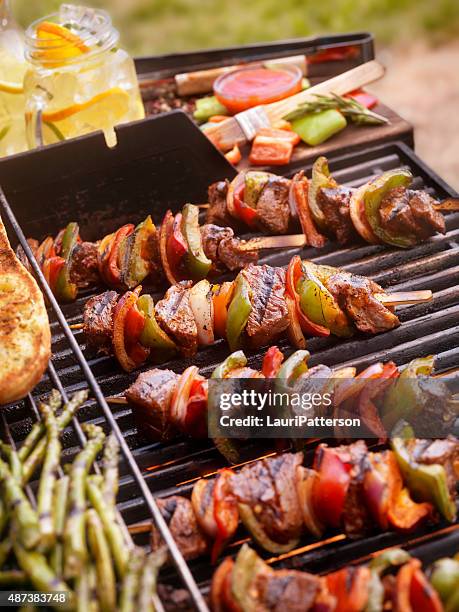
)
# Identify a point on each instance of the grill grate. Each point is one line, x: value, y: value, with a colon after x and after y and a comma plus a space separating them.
x: 159, y: 469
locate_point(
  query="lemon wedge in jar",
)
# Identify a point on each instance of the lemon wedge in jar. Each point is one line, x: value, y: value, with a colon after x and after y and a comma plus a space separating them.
x: 11, y: 88
x: 57, y: 44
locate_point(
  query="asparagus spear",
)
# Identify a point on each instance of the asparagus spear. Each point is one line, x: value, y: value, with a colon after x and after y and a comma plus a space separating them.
x: 13, y: 577
x: 61, y: 489
x: 83, y: 591
x: 130, y: 586
x: 3, y: 516
x: 13, y: 459
x: 112, y: 530
x: 74, y: 534
x: 106, y: 582
x: 92, y: 577
x: 38, y: 429
x: 5, y: 549
x: 36, y: 456
x: 42, y: 576
x: 48, y: 478
x: 110, y: 464
x: 20, y: 507
x: 148, y: 580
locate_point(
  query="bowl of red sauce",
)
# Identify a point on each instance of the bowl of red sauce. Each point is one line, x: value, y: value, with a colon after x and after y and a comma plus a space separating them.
x: 248, y: 87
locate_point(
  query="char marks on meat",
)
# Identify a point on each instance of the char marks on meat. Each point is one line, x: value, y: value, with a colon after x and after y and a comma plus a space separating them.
x: 405, y: 211
x: 334, y: 203
x: 273, y: 207
x: 84, y: 270
x: 269, y: 315
x: 175, y: 316
x: 279, y: 590
x: 179, y: 516
x: 269, y: 488
x: 218, y: 213
x: 98, y: 320
x: 151, y: 395
x: 222, y: 247
x: 20, y: 253
x: 356, y: 517
x: 355, y: 296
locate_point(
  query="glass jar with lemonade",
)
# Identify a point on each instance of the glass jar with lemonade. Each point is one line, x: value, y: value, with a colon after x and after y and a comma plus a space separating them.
x: 79, y: 80
x: 12, y: 69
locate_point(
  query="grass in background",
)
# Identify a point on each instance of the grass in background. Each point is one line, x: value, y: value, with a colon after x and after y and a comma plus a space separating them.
x: 157, y: 26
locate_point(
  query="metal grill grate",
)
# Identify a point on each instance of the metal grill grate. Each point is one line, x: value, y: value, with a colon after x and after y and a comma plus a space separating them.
x: 160, y: 469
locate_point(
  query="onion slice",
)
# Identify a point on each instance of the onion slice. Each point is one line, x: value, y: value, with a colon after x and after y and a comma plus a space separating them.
x: 181, y: 396
x: 235, y: 184
x: 359, y: 220
x: 203, y: 311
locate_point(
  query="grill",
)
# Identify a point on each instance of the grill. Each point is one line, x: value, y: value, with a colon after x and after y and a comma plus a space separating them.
x: 152, y: 469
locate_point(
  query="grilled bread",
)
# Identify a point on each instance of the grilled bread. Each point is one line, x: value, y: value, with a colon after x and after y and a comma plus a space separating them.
x: 25, y: 338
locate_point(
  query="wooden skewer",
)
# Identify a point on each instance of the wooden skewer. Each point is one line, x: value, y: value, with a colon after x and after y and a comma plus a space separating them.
x: 273, y: 242
x: 404, y: 297
x: 229, y: 132
x: 203, y: 205
x: 448, y: 204
x: 117, y: 399
x: 77, y: 326
x: 143, y: 527
x: 448, y: 373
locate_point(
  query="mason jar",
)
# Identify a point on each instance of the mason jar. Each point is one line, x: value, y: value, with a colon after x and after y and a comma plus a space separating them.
x: 79, y: 80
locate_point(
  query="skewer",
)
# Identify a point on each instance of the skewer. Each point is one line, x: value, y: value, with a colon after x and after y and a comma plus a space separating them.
x: 404, y: 297
x: 448, y: 204
x: 273, y: 242
x: 76, y: 326
x: 203, y: 205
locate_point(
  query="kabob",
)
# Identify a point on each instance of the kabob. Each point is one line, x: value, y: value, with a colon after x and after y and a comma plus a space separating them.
x: 385, y: 210
x: 392, y: 580
x: 349, y: 487
x: 167, y: 404
x: 259, y: 306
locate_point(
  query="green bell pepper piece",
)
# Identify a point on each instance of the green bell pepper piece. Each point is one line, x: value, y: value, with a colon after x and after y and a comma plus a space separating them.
x: 135, y: 265
x: 253, y: 526
x: 238, y: 312
x: 208, y: 107
x: 254, y: 183
x: 372, y: 196
x: 65, y: 290
x: 379, y: 565
x: 426, y: 482
x: 294, y: 366
x: 197, y: 263
x: 235, y: 360
x: 319, y: 305
x: 444, y: 577
x: 316, y: 128
x: 404, y: 396
x: 152, y: 335
x: 320, y: 179
x: 247, y: 565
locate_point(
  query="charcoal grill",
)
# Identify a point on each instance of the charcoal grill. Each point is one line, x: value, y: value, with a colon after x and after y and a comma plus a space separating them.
x: 152, y: 469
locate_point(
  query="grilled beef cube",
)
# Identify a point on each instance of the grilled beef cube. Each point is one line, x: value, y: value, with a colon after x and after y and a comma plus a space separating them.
x: 20, y: 253
x: 356, y: 517
x: 272, y: 207
x: 335, y: 206
x: 98, y: 320
x: 218, y: 213
x: 84, y: 270
x: 268, y: 486
x: 279, y: 590
x: 175, y: 316
x: 442, y: 451
x: 212, y: 235
x: 354, y: 294
x: 151, y: 395
x: 269, y: 315
x: 179, y: 516
x: 223, y: 248
x: 404, y: 211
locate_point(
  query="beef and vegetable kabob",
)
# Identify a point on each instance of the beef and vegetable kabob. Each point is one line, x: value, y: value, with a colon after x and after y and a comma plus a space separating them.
x: 392, y: 580
x: 254, y: 310
x: 383, y: 210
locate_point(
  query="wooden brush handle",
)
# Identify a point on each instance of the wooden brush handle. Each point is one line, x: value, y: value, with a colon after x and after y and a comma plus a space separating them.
x: 201, y: 81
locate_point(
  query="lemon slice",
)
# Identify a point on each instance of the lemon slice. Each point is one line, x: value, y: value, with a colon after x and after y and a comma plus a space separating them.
x: 104, y: 108
x: 58, y: 43
x: 11, y: 88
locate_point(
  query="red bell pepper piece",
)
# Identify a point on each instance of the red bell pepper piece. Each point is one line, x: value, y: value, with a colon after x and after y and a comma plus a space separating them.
x: 413, y: 592
x: 234, y: 156
x: 300, y: 186
x: 51, y: 268
x: 133, y: 327
x: 269, y: 151
x: 272, y: 362
x: 280, y: 134
x: 226, y: 512
x: 367, y: 409
x: 350, y: 586
x: 195, y: 423
x: 177, y: 247
x: 110, y: 270
x: 120, y: 339
x: 362, y: 97
x: 246, y: 214
x: 294, y: 273
x: 221, y: 597
x: 330, y: 488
